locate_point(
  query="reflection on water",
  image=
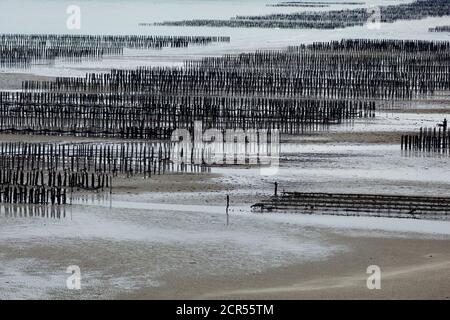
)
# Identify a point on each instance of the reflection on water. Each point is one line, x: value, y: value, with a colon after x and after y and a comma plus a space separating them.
x: 33, y: 211
x: 89, y: 198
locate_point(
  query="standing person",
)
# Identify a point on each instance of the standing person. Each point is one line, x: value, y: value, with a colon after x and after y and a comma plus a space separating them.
x: 444, y: 125
x: 228, y: 205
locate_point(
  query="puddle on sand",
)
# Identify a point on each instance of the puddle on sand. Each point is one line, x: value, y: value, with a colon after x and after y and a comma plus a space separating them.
x: 33, y: 211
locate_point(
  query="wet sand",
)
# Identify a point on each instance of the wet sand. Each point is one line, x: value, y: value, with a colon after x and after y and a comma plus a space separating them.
x: 349, y: 137
x: 191, y: 254
x: 176, y: 182
x: 410, y: 269
x: 13, y: 81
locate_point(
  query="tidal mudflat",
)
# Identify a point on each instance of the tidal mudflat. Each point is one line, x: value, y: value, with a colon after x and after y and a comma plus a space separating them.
x: 92, y: 174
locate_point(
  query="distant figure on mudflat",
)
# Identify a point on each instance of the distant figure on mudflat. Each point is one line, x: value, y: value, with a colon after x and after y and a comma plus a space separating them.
x: 443, y: 124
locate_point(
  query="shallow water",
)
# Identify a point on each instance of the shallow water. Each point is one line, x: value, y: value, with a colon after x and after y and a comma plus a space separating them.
x: 123, y: 17
x: 391, y: 122
x: 157, y: 241
x: 100, y: 17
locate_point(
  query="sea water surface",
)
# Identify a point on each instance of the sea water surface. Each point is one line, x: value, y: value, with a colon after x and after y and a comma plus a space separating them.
x: 124, y: 17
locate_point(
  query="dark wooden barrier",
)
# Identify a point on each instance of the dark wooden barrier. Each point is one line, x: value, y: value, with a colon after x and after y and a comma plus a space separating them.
x: 427, y: 140
x: 398, y: 206
x: 23, y: 50
x: 44, y: 173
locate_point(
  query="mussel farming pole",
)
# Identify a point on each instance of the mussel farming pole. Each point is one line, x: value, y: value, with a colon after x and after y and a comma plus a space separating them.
x: 428, y: 140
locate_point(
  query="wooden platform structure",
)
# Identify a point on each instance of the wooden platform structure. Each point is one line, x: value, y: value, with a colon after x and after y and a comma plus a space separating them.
x: 395, y: 206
